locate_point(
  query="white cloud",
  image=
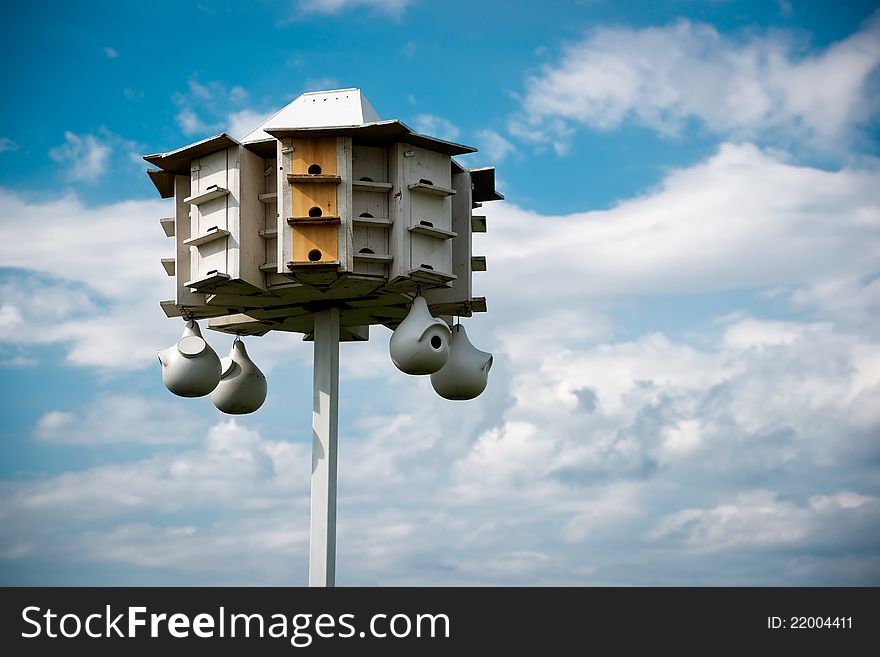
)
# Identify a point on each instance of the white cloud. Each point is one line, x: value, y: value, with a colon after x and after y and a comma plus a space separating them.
x: 542, y: 486
x: 113, y: 249
x: 203, y: 91
x: 745, y: 218
x: 682, y: 436
x: 610, y: 506
x: 233, y: 466
x: 785, y: 8
x: 38, y: 299
x: 214, y: 99
x: 436, y: 126
x: 250, y: 550
x: 190, y: 123
x: 94, y: 281
x: 391, y: 7
x: 86, y: 156
x: 115, y: 332
x: 317, y: 84
x: 238, y: 94
x: 241, y: 123
x: 853, y: 300
x: 673, y: 429
x: 111, y: 53
x: 124, y: 337
x: 730, y: 409
x: 211, y: 107
x: 588, y: 450
x: 10, y: 320
x: 120, y: 418
x: 19, y: 361
x: 131, y: 513
x: 756, y: 86
x: 504, y: 455
x: 759, y: 519
x: 7, y: 145
x: 496, y: 147
x: 750, y: 333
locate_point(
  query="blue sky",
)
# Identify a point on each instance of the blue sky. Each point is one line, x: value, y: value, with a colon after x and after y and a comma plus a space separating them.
x: 683, y: 293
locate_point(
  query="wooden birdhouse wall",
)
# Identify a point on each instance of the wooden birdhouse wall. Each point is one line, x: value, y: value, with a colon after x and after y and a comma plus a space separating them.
x: 314, y: 196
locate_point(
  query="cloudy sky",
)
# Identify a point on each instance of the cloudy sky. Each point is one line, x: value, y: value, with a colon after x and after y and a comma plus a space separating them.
x: 683, y: 285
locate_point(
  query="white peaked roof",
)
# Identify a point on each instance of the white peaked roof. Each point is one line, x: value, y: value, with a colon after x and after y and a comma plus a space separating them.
x: 319, y: 109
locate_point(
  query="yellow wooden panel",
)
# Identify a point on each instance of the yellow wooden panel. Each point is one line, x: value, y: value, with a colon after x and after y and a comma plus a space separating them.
x: 310, y: 152
x: 306, y: 196
x: 313, y: 244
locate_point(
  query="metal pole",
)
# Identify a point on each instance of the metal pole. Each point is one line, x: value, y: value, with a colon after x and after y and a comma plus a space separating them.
x: 325, y: 420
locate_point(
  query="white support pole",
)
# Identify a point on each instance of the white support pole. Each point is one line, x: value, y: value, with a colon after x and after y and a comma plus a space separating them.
x: 325, y: 420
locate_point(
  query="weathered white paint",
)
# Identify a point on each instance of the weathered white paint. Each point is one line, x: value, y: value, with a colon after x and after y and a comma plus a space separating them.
x: 336, y: 107
x: 251, y: 251
x: 284, y: 245
x: 343, y: 203
x: 182, y: 233
x: 325, y: 417
x: 416, y: 232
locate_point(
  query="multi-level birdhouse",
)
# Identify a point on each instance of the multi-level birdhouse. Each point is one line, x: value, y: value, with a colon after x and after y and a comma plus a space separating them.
x: 323, y: 204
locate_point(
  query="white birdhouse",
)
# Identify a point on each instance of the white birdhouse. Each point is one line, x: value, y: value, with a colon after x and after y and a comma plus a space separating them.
x: 323, y: 204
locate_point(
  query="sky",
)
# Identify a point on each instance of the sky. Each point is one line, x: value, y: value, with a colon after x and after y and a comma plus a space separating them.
x: 683, y: 288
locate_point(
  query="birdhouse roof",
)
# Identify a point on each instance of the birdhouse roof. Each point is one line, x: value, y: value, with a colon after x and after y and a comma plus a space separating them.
x: 319, y: 109
x: 178, y: 160
x: 342, y: 113
x: 333, y: 113
x: 380, y: 133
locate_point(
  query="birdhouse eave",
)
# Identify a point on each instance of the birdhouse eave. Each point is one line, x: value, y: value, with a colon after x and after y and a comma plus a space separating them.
x: 178, y: 160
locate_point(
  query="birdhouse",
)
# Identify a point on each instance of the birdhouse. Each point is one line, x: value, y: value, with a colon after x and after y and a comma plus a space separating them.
x: 323, y: 204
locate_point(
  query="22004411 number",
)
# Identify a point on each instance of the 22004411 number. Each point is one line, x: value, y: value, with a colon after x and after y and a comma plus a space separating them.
x: 809, y: 623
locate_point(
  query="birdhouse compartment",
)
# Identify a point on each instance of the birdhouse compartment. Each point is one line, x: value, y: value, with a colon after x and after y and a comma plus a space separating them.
x: 315, y: 244
x: 431, y: 211
x: 313, y: 200
x: 313, y: 157
x: 183, y: 226
x: 421, y: 214
x: 427, y: 167
x: 369, y: 164
x: 454, y: 299
x: 369, y: 217
x: 268, y: 197
x: 211, y: 207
